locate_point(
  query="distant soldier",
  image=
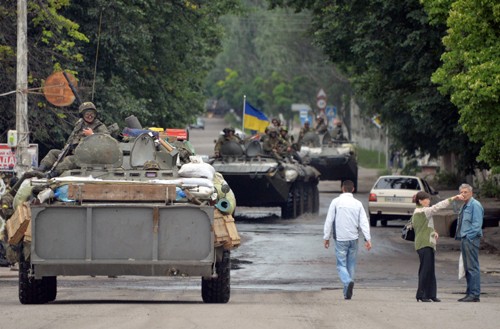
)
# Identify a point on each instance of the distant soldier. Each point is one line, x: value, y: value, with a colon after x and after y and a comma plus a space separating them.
x: 304, y: 130
x: 321, y: 127
x: 228, y: 136
x: 338, y: 131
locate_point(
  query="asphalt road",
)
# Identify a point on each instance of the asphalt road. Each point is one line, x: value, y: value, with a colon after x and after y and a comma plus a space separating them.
x: 282, y: 277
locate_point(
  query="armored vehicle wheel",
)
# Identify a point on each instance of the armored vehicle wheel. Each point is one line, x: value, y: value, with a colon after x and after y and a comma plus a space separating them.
x: 33, y: 291
x: 51, y: 286
x: 289, y: 209
x: 315, y: 208
x: 218, y: 290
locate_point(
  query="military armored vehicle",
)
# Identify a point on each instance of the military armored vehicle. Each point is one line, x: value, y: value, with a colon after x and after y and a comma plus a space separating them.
x: 334, y: 159
x: 127, y: 210
x: 259, y: 180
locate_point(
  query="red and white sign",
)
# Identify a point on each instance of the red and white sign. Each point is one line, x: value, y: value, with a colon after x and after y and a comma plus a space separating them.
x: 8, y: 158
x: 321, y: 100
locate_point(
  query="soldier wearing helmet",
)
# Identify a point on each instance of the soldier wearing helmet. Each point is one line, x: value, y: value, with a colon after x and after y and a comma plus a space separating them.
x: 284, y: 134
x: 338, y: 131
x: 229, y: 135
x: 275, y: 145
x: 304, y: 130
x: 321, y: 127
x: 87, y: 125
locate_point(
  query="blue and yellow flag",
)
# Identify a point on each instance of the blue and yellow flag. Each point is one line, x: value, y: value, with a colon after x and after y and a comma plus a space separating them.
x: 254, y: 119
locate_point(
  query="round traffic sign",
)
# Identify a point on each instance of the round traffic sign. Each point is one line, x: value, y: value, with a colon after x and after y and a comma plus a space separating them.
x: 321, y: 103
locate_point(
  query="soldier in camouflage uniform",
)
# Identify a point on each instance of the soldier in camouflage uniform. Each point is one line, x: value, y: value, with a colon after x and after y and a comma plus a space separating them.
x: 87, y: 125
x: 228, y: 136
x: 304, y: 130
x: 275, y: 145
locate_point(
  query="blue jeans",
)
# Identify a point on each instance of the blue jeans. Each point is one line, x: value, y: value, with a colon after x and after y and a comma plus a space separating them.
x: 346, y: 252
x: 470, y: 254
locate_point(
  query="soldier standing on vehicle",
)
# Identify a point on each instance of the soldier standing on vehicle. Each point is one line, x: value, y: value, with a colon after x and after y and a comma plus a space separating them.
x: 321, y: 127
x: 338, y: 131
x: 304, y: 130
x: 87, y: 125
x: 228, y: 136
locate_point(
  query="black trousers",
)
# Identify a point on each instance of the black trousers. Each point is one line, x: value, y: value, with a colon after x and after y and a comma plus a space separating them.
x: 427, y: 287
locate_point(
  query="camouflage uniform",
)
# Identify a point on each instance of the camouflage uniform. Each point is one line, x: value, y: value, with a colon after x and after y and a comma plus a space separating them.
x: 225, y: 138
x: 275, y: 145
x: 304, y: 130
x: 321, y: 127
x: 74, y: 139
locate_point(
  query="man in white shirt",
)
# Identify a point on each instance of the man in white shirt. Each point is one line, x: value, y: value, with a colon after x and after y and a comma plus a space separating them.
x: 346, y: 216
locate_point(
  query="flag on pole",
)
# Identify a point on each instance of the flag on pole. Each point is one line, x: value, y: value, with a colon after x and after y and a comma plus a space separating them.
x: 254, y: 119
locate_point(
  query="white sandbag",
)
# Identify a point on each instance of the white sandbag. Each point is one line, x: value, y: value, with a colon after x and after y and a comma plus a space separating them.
x: 200, y: 170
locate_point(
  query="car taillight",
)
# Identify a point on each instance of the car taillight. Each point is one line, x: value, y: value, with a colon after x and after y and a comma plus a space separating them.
x: 372, y: 197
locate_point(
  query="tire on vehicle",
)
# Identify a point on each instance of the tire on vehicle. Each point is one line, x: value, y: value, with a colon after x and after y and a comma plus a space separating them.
x: 373, y: 220
x: 34, y: 291
x: 218, y: 290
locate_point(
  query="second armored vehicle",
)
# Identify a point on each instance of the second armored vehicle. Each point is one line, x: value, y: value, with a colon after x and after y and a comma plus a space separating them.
x: 260, y: 180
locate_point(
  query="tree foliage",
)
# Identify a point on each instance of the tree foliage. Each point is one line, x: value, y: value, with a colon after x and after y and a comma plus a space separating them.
x: 52, y: 40
x: 389, y: 51
x: 470, y: 70
x: 147, y: 58
x: 268, y: 56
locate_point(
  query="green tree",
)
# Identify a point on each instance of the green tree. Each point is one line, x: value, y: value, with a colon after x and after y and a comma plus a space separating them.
x: 52, y: 45
x: 470, y: 72
x: 151, y: 57
x: 276, y: 62
x: 147, y: 58
x: 389, y: 51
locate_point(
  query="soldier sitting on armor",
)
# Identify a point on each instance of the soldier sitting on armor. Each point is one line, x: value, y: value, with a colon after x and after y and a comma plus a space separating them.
x: 87, y: 125
x: 228, y: 136
x: 284, y: 134
x: 275, y: 145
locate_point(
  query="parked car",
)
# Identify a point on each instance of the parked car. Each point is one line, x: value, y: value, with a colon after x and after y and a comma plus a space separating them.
x: 199, y: 124
x: 392, y: 197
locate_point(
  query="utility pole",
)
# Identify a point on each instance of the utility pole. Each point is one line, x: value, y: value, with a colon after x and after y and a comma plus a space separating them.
x: 22, y: 156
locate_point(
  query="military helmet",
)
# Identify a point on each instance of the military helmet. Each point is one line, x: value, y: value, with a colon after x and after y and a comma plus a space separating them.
x: 228, y: 129
x: 271, y: 129
x: 151, y: 165
x: 86, y: 106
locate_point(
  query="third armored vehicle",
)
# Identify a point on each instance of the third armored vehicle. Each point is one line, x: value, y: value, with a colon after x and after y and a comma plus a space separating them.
x: 335, y: 159
x: 260, y: 180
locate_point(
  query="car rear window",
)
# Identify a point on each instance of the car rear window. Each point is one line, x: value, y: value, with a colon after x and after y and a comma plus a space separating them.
x: 397, y: 183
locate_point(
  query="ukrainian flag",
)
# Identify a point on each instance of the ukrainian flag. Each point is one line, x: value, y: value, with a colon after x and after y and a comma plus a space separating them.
x: 254, y: 119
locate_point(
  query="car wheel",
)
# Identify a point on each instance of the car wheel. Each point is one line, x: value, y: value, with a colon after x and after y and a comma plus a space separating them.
x: 383, y: 222
x: 373, y: 220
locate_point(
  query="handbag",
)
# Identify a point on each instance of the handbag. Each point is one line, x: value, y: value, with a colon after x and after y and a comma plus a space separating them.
x: 408, y: 233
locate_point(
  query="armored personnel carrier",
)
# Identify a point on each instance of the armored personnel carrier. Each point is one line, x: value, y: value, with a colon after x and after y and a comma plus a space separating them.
x: 127, y: 210
x: 260, y: 180
x: 334, y: 159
